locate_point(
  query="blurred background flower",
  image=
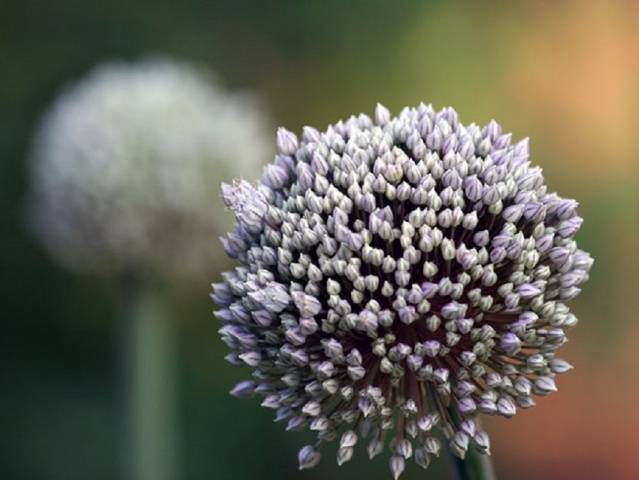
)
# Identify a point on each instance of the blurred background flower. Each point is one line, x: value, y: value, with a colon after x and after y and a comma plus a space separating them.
x: 563, y: 73
x: 127, y: 164
x: 126, y: 168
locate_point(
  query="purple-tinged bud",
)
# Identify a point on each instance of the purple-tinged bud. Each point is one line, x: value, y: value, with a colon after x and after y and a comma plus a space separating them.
x: 510, y: 343
x: 286, y: 141
x: 308, y: 457
x: 397, y: 465
x: 244, y: 389
x: 473, y: 188
x: 274, y: 176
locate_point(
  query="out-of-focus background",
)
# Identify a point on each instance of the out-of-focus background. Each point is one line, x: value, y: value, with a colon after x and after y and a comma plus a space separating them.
x: 564, y: 73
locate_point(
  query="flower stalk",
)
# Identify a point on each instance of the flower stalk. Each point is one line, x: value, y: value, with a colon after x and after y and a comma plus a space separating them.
x: 473, y: 466
x: 148, y: 385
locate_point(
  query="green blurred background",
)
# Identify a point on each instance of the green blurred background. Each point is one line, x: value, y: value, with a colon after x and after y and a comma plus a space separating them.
x: 564, y: 73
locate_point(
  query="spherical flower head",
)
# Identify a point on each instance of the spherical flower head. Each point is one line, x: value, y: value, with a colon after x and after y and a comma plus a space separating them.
x: 126, y: 165
x: 397, y: 278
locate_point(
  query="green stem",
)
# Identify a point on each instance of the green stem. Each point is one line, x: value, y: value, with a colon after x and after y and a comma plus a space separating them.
x: 149, y: 390
x: 474, y: 466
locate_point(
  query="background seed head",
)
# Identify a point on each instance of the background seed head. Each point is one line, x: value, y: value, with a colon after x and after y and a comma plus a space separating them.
x: 126, y: 162
x: 398, y: 277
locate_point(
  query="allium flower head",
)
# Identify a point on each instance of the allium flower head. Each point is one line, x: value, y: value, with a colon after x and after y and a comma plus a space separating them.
x: 127, y: 162
x: 398, y: 277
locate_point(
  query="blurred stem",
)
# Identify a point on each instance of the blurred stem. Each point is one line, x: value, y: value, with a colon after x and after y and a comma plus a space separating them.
x: 474, y: 466
x: 148, y: 383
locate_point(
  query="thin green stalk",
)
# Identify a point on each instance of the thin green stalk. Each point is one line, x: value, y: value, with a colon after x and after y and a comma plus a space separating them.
x: 149, y: 389
x: 474, y: 466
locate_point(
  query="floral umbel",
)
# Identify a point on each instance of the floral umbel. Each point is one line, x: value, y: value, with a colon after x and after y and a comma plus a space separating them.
x: 397, y: 277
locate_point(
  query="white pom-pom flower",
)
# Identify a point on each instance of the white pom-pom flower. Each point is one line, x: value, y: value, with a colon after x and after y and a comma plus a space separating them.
x: 127, y: 162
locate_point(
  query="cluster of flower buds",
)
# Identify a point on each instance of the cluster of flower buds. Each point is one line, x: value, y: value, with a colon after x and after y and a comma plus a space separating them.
x: 398, y: 277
